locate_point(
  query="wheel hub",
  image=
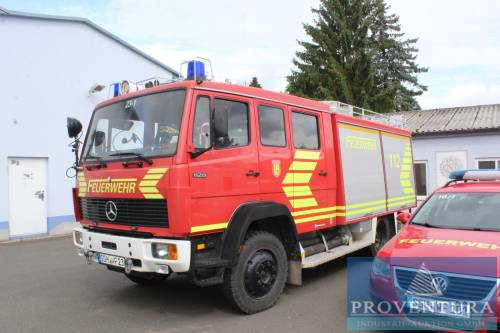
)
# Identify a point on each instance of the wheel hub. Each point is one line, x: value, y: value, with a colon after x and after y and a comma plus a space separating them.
x: 260, y: 274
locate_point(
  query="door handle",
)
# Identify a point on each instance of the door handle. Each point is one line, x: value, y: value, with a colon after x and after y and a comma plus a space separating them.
x: 323, y: 173
x: 252, y: 173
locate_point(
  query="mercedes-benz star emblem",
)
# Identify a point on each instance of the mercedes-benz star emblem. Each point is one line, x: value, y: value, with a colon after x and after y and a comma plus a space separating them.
x: 441, y: 283
x: 111, y: 211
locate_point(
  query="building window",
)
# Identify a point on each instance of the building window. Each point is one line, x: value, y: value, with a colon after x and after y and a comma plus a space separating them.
x: 421, y: 178
x: 488, y: 163
x: 305, y: 131
x: 272, y: 126
x: 231, y: 124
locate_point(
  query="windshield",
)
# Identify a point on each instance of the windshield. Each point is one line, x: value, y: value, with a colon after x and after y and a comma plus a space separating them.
x: 147, y: 125
x: 461, y: 211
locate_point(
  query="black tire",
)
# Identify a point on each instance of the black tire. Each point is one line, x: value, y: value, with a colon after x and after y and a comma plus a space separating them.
x: 146, y: 279
x: 382, y: 236
x: 257, y: 281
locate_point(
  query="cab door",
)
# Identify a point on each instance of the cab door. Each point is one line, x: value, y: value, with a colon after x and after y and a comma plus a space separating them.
x: 308, y: 178
x: 227, y: 173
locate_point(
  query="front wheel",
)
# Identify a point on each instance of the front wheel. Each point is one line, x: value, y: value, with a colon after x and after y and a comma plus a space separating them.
x: 257, y: 281
x: 382, y: 236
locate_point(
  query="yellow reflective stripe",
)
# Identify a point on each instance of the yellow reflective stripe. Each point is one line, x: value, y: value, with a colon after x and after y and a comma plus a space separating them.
x: 153, y: 176
x: 408, y: 190
x: 407, y: 160
x: 157, y: 170
x: 318, y: 210
x: 401, y: 203
x: 209, y: 227
x: 406, y: 167
x: 148, y: 183
x: 297, y: 178
x: 303, y: 166
x: 404, y: 175
x: 297, y: 190
x: 149, y: 190
x: 307, y: 155
x: 365, y: 210
x: 318, y: 217
x: 407, y: 153
x: 301, y: 203
x: 356, y: 128
x: 364, y: 204
x: 153, y: 196
x: 405, y: 183
x: 401, y: 198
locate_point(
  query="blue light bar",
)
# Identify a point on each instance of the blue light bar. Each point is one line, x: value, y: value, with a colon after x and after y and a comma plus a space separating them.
x: 485, y: 175
x: 196, y: 70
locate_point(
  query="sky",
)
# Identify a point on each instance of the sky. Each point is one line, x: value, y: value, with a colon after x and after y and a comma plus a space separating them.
x: 459, y: 40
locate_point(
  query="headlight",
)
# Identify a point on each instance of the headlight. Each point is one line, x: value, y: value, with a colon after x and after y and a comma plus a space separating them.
x: 381, y: 268
x: 78, y: 238
x: 164, y: 251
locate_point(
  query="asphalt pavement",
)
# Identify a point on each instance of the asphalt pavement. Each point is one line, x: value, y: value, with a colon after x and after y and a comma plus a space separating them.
x: 46, y: 287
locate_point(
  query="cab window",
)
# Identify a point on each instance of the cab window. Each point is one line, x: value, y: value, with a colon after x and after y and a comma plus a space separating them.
x: 230, y: 124
x: 272, y: 126
x: 305, y: 131
x: 201, y: 126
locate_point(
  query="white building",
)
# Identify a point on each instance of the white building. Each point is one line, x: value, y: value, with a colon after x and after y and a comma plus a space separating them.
x: 452, y: 139
x: 48, y: 64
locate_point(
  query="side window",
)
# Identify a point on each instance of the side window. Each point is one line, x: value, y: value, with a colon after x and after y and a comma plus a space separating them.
x: 231, y: 124
x: 305, y: 131
x: 272, y: 126
x: 201, y: 126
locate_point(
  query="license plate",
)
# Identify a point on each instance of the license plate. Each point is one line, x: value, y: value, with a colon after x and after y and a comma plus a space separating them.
x: 107, y: 259
x: 440, y: 307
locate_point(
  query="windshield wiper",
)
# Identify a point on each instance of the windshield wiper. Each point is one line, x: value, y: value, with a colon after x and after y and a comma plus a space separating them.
x: 137, y: 155
x: 98, y: 165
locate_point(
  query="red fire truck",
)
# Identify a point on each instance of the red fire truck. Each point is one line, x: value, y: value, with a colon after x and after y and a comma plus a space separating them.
x: 234, y: 185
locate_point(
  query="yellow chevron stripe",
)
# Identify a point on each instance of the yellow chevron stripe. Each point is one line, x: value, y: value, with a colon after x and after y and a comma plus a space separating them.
x: 297, y: 178
x: 153, y: 176
x: 307, y: 155
x: 148, y: 183
x: 407, y: 160
x: 302, y: 166
x: 149, y: 190
x: 153, y: 196
x: 298, y: 190
x: 209, y: 227
x: 301, y: 203
x: 404, y: 175
x: 407, y: 154
x: 157, y: 170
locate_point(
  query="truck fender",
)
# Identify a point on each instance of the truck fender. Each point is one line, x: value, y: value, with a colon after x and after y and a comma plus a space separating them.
x: 243, y: 218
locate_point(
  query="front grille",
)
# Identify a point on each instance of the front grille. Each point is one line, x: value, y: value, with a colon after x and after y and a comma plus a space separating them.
x: 459, y: 287
x: 134, y: 212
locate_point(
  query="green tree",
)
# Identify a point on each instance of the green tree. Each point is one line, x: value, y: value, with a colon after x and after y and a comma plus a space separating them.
x: 394, y: 59
x: 255, y: 83
x: 357, y: 55
x: 336, y: 63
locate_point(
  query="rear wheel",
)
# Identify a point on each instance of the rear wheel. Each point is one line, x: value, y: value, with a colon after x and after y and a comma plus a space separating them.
x: 146, y: 279
x: 257, y: 281
x: 382, y: 236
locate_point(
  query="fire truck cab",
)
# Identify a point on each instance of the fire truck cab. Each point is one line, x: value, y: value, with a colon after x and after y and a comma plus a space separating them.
x: 234, y: 185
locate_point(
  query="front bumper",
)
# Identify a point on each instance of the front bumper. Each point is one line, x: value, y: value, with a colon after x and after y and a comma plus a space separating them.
x: 137, y: 249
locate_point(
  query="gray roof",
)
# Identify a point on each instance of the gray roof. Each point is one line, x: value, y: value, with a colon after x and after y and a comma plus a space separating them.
x: 479, y: 118
x: 4, y: 11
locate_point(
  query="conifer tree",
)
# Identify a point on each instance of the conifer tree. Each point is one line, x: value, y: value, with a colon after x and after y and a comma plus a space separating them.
x: 255, y: 83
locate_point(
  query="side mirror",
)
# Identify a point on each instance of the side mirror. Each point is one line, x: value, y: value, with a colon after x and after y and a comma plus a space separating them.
x: 74, y: 127
x: 99, y: 137
x: 404, y: 218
